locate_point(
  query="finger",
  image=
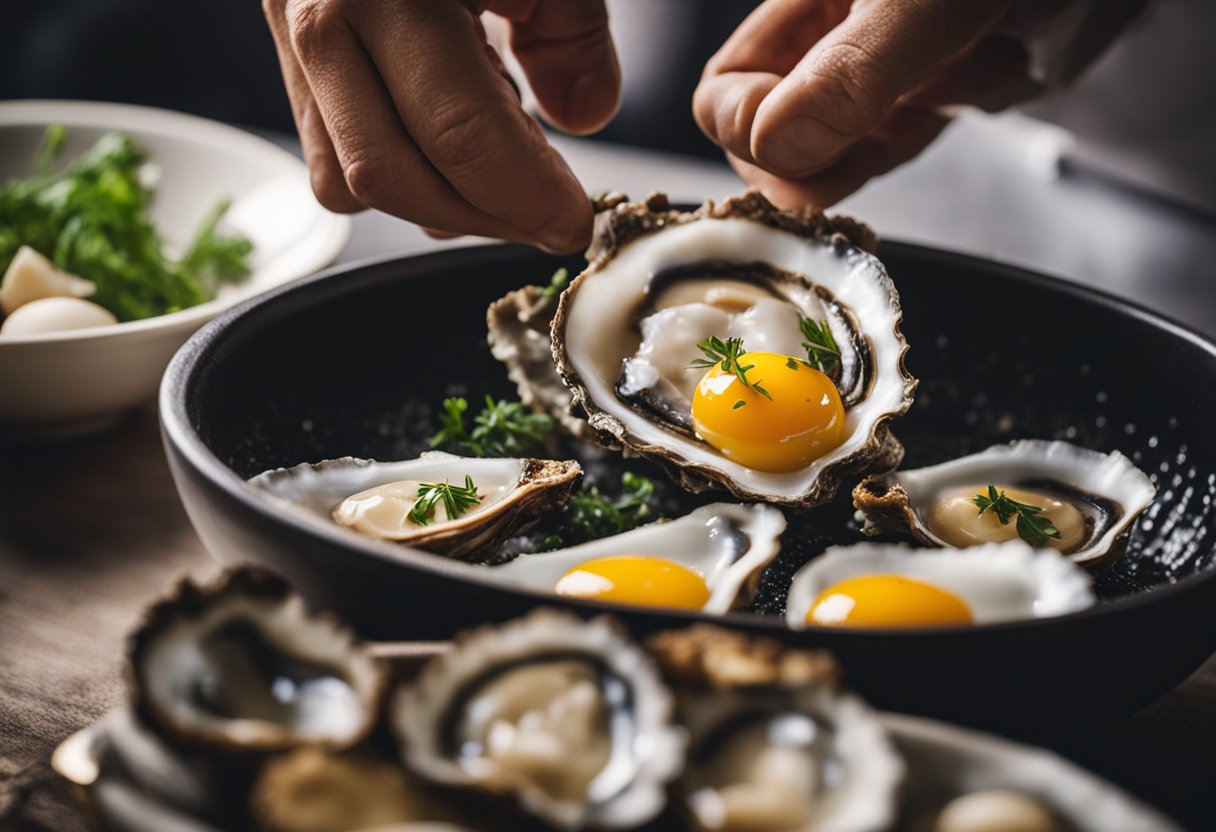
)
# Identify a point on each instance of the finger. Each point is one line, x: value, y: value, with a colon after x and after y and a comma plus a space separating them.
x: 439, y: 234
x: 992, y: 75
x: 381, y: 165
x: 903, y: 135
x: 850, y: 79
x: 566, y: 50
x: 324, y: 171
x: 725, y: 107
x: 466, y: 120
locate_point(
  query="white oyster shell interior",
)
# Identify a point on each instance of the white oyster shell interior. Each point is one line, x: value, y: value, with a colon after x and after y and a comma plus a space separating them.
x: 726, y: 544
x: 600, y: 334
x: 997, y: 581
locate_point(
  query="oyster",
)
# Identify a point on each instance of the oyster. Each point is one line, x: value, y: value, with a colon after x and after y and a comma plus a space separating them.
x: 568, y: 718
x: 893, y: 585
x: 1092, y: 498
x: 661, y: 282
x: 710, y: 559
x: 376, y: 498
x: 776, y: 744
x: 242, y: 665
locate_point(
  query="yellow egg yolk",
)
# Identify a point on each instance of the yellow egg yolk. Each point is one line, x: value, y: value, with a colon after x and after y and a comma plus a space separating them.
x: 802, y: 421
x: 887, y: 601
x: 641, y: 580
x: 956, y: 519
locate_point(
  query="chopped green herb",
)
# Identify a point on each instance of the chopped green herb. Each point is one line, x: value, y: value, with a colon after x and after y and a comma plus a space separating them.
x: 591, y: 515
x: 1032, y: 527
x: 456, y: 500
x: 557, y: 284
x: 91, y: 219
x: 822, y: 351
x: 738, y: 404
x: 727, y: 353
x: 793, y: 363
x: 502, y: 428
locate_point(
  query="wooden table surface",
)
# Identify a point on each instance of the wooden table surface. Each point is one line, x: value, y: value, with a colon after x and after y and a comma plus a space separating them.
x: 91, y: 532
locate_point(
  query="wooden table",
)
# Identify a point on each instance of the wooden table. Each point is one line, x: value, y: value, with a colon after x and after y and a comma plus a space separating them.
x: 92, y: 531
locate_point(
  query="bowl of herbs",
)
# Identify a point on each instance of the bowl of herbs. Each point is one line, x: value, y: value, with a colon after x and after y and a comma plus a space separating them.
x: 122, y: 230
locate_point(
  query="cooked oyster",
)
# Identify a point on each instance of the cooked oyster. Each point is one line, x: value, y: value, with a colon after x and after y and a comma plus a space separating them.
x: 242, y: 665
x: 661, y: 282
x: 710, y: 559
x: 1092, y: 498
x: 776, y: 744
x: 377, y: 498
x: 569, y: 718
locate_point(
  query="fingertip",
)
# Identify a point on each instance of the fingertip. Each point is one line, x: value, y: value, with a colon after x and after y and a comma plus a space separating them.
x: 570, y: 231
x: 590, y: 102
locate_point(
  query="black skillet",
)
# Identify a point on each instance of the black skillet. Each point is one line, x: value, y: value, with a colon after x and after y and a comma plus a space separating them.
x: 354, y: 362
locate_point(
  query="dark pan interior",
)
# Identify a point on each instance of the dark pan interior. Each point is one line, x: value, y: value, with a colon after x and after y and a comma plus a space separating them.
x: 1000, y: 354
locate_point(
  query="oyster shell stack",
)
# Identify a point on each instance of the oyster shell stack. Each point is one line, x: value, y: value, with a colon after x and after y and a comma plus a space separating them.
x: 1094, y: 498
x: 568, y: 719
x: 660, y: 281
x: 242, y: 666
x: 775, y: 741
x: 375, y: 498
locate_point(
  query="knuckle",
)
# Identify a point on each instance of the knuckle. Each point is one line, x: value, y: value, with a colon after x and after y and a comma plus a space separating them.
x: 311, y: 24
x: 456, y: 141
x: 850, y: 88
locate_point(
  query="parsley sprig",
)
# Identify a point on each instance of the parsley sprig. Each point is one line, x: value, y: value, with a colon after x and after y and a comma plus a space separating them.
x: 502, y: 428
x: 557, y: 284
x: 727, y: 354
x: 822, y: 351
x: 456, y: 500
x: 1032, y: 526
x: 592, y: 515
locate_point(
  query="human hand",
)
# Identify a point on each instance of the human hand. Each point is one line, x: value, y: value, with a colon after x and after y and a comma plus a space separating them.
x: 402, y: 106
x: 813, y: 98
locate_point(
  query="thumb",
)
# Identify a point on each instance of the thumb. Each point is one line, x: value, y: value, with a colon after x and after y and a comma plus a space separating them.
x: 849, y: 81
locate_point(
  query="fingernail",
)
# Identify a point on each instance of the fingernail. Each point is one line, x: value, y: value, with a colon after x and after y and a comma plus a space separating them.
x: 798, y: 148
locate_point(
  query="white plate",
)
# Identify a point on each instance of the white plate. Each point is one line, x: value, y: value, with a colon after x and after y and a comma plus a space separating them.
x: 76, y: 382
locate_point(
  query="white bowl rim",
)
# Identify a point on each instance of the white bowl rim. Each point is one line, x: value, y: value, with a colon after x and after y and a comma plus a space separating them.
x: 172, y: 124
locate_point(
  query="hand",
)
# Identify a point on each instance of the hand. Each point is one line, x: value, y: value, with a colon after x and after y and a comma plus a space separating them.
x: 402, y: 106
x: 812, y: 98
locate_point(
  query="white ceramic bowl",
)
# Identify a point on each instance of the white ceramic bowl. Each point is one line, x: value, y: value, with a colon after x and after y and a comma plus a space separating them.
x: 71, y: 383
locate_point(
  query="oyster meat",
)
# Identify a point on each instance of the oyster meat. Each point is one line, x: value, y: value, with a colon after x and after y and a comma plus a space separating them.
x: 661, y: 282
x: 243, y: 666
x: 1092, y: 498
x: 568, y: 718
x: 377, y: 498
x: 778, y: 746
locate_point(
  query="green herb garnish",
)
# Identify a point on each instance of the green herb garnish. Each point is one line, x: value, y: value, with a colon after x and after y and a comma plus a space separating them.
x: 822, y: 351
x: 91, y: 219
x: 591, y: 515
x: 456, y: 500
x: 727, y: 353
x: 557, y: 284
x: 1032, y: 526
x: 502, y: 428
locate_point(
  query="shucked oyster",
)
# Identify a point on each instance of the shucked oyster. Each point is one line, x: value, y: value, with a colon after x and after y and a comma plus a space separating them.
x: 1093, y: 499
x: 568, y: 718
x: 661, y: 282
x: 243, y: 666
x: 776, y: 744
x: 378, y: 498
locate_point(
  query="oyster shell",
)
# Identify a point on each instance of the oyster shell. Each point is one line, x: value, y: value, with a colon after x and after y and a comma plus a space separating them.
x: 375, y: 498
x: 726, y: 545
x: 776, y: 743
x: 610, y: 334
x: 568, y: 718
x: 1092, y: 497
x: 242, y: 665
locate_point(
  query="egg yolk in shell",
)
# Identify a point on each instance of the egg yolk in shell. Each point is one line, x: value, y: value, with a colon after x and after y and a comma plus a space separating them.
x: 887, y: 601
x: 800, y: 420
x: 640, y: 580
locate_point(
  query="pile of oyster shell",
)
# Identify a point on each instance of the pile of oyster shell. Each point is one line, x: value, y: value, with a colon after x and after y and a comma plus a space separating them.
x: 612, y: 358
x: 252, y: 712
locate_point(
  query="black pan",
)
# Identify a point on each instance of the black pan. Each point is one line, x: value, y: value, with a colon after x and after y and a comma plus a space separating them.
x: 354, y: 361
